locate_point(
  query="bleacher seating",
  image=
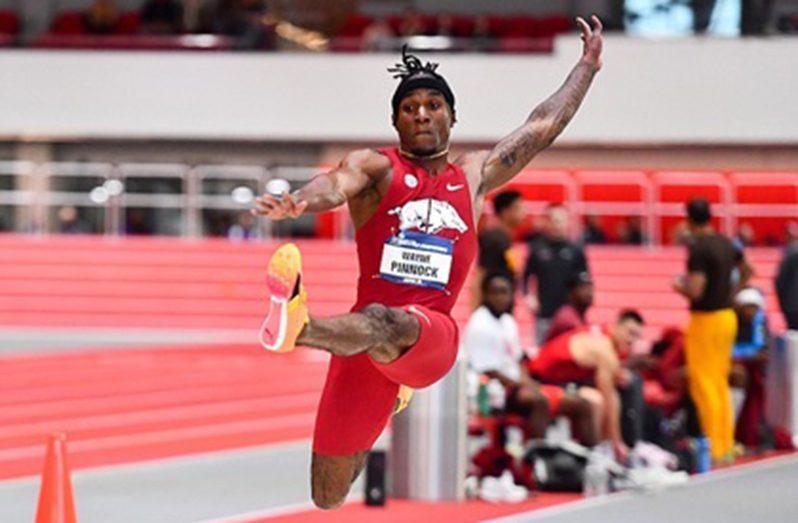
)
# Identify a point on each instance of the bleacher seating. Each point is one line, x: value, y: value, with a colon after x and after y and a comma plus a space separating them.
x: 159, y: 283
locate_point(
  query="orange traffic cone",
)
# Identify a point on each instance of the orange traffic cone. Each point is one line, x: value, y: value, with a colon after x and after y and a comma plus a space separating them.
x: 56, y: 504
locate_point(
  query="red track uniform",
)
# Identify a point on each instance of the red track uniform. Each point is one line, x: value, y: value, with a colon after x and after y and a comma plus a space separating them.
x: 415, y: 253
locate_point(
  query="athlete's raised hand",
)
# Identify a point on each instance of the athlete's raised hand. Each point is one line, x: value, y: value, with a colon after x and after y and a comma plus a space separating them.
x: 274, y: 208
x: 592, y: 38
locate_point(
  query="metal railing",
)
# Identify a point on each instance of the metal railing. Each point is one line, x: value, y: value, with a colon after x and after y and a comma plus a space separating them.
x: 210, y: 200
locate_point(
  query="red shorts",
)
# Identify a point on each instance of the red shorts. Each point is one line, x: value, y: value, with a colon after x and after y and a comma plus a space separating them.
x: 554, y: 396
x: 359, y: 393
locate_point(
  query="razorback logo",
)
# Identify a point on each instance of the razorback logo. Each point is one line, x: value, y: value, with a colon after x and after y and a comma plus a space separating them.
x: 429, y: 216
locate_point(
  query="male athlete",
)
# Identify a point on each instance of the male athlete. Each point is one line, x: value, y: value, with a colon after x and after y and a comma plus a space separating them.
x: 415, y: 215
x: 591, y: 357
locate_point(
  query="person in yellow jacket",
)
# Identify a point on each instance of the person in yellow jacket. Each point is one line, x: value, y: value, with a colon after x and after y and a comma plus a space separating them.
x: 716, y: 268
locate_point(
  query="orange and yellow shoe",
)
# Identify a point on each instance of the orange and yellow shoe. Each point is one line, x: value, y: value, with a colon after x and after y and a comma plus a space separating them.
x: 402, y: 399
x: 288, y: 307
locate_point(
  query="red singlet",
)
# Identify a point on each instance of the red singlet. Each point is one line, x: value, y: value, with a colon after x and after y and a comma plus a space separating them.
x: 414, y: 253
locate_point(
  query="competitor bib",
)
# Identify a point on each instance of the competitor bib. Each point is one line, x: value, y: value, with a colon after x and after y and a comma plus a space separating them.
x: 417, y: 259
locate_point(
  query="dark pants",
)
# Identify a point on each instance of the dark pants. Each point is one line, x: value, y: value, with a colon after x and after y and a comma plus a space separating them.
x: 792, y: 320
x: 633, y: 409
x: 750, y: 421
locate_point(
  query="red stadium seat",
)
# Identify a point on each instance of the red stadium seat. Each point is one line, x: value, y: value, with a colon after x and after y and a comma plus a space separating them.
x: 765, y: 200
x: 68, y: 23
x: 9, y: 23
x: 615, y: 195
x: 526, y: 45
x: 673, y: 189
x: 520, y: 27
x: 540, y: 189
x: 127, y: 24
x: 556, y: 24
x: 355, y: 25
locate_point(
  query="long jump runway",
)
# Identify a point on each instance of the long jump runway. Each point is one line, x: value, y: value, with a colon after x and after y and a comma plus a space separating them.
x: 762, y: 492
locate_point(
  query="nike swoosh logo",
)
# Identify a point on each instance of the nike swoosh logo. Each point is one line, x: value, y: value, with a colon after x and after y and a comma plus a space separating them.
x: 450, y: 187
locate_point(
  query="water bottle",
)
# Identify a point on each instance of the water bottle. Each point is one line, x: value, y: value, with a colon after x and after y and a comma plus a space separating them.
x: 483, y: 404
x: 703, y: 462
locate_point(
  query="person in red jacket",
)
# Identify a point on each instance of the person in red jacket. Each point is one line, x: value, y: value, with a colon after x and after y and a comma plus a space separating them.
x: 414, y: 213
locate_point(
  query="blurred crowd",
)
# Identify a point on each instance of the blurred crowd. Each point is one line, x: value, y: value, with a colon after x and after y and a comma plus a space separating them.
x: 689, y: 400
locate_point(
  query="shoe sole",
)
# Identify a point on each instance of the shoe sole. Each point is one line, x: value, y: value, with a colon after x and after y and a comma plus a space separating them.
x: 283, y: 274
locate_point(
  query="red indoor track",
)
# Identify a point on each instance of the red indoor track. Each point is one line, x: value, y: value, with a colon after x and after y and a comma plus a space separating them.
x: 122, y: 406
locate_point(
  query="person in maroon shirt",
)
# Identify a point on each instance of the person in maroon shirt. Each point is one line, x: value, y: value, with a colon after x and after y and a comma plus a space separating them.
x: 573, y: 314
x: 414, y: 212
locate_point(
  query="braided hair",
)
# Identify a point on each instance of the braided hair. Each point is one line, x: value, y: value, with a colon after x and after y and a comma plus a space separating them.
x: 417, y: 75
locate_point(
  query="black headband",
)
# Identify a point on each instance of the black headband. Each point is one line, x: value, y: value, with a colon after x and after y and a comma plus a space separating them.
x: 416, y: 75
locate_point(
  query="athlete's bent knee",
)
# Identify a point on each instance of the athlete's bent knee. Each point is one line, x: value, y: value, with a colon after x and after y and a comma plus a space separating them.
x: 394, y: 330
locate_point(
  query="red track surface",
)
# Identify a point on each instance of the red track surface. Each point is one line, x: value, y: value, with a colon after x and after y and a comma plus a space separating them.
x: 132, y: 405
x: 401, y: 511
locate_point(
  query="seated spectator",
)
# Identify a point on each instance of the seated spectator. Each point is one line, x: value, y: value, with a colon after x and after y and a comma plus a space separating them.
x: 594, y: 234
x: 445, y: 25
x: 238, y: 19
x: 244, y: 229
x: 679, y: 234
x: 746, y: 235
x: 377, y: 37
x: 590, y: 359
x: 573, y: 314
x: 101, y: 17
x: 494, y: 350
x: 665, y: 384
x: 162, y: 17
x: 136, y: 223
x: 412, y: 24
x: 635, y: 228
x: 748, y: 371
x: 69, y: 221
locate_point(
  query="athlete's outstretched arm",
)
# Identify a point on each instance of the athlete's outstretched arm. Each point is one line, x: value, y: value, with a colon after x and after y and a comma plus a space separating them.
x: 549, y: 118
x: 357, y: 171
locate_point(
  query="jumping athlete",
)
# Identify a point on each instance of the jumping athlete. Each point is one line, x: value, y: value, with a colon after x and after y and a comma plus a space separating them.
x: 414, y: 213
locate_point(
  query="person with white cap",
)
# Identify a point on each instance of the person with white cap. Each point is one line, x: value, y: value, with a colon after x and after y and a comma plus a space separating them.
x: 749, y: 363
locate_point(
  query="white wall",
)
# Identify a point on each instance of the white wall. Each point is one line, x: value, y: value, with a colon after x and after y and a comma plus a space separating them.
x: 682, y: 91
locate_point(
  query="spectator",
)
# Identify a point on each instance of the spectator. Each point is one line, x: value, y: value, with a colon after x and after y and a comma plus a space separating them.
x: 593, y: 234
x: 589, y: 358
x: 496, y: 243
x: 69, y: 221
x: 483, y: 37
x: 136, y: 223
x: 238, y: 19
x: 162, y: 17
x: 378, y: 37
x: 573, y: 314
x: 787, y: 283
x: 493, y: 345
x: 552, y: 262
x: 746, y: 235
x: 244, y: 228
x: 680, y: 234
x: 712, y: 259
x: 101, y: 17
x: 635, y: 228
x: 412, y: 24
x: 445, y: 25
x: 748, y: 371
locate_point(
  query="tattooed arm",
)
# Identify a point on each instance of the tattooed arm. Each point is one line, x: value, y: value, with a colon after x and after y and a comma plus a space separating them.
x: 548, y: 119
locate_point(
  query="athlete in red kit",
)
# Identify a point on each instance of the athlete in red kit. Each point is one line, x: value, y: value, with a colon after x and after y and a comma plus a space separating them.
x: 415, y: 215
